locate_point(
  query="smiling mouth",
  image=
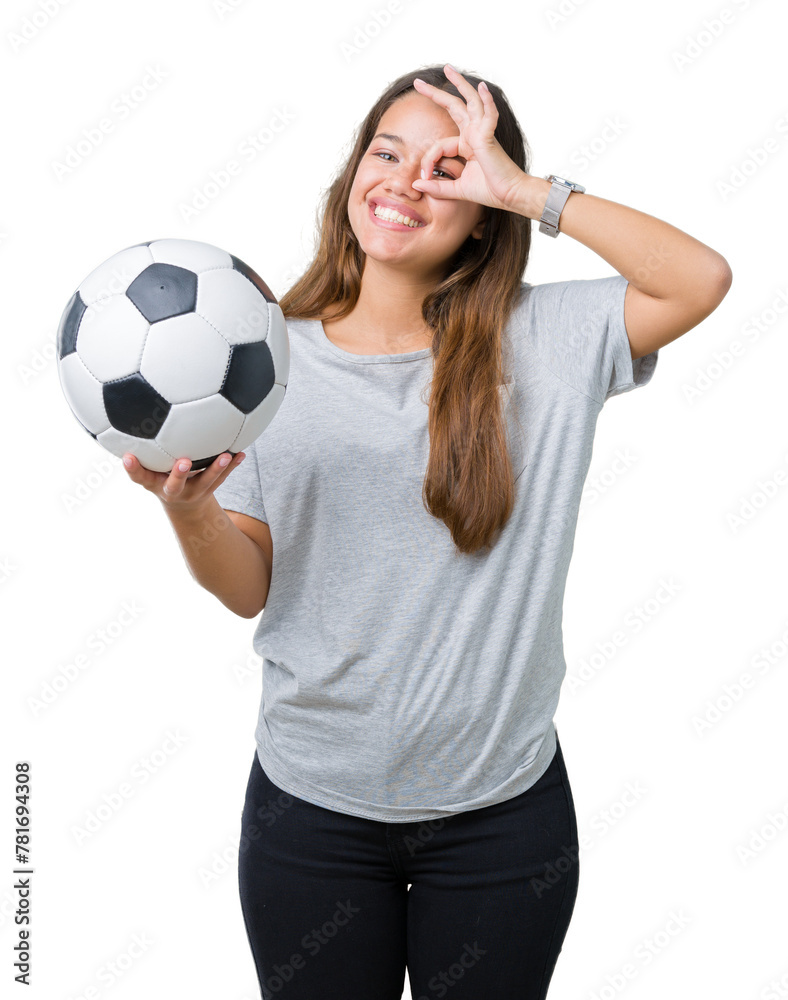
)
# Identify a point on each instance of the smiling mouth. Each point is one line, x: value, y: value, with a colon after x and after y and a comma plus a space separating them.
x: 394, y: 219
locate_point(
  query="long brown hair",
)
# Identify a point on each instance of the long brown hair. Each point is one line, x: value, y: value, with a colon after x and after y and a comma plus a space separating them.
x: 469, y: 483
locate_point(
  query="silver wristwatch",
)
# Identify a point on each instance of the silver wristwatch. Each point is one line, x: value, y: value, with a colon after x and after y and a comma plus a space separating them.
x: 556, y: 199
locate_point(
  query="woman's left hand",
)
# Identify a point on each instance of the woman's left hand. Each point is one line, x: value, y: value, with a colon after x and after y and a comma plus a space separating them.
x: 490, y: 176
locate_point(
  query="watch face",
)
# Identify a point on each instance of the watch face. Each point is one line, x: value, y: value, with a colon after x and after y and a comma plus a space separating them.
x: 563, y: 180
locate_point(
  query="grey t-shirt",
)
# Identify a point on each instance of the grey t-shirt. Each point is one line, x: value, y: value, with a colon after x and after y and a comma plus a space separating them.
x: 404, y: 680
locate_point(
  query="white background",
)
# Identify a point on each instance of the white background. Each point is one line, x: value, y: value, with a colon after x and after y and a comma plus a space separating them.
x: 706, y: 836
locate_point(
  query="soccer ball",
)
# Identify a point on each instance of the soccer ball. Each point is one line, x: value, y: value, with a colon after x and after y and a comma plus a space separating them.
x: 172, y: 349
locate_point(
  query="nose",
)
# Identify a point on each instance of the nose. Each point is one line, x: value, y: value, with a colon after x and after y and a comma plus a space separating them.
x: 401, y: 180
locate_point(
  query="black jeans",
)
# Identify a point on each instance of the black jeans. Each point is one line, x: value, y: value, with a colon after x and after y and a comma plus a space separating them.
x: 329, y: 916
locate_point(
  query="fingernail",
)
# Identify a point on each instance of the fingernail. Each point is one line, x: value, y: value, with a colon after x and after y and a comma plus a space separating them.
x: 183, y: 466
x: 422, y: 174
x: 127, y: 462
x: 224, y: 460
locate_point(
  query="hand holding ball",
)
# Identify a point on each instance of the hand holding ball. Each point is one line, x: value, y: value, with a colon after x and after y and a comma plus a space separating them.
x: 173, y: 349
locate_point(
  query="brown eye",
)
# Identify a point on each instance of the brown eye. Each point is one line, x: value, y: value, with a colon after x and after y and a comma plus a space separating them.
x: 436, y: 170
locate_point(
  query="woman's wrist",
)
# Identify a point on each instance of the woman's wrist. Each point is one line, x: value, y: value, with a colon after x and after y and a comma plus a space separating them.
x: 531, y: 195
x: 193, y: 512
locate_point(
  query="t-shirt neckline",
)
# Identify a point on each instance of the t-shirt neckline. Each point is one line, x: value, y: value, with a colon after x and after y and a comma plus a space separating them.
x: 367, y: 359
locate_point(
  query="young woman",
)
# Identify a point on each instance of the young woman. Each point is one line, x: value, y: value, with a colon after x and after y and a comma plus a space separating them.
x: 407, y: 522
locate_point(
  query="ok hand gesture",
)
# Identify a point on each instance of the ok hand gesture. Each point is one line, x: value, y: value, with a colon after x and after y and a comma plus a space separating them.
x: 490, y: 176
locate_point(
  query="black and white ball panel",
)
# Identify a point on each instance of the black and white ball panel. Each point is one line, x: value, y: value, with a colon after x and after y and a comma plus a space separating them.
x: 170, y: 299
x: 115, y: 275
x: 107, y: 359
x: 162, y: 291
x: 255, y: 278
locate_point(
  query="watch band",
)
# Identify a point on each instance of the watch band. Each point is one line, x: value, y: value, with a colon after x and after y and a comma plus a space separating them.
x: 557, y: 196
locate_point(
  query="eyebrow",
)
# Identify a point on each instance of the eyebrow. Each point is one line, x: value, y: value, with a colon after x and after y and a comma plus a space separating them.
x: 401, y: 141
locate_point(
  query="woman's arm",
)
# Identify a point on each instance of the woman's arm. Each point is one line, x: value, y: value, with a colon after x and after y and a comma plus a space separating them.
x: 675, y: 281
x: 223, y: 555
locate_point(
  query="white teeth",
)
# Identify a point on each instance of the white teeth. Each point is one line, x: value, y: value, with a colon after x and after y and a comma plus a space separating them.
x: 387, y: 213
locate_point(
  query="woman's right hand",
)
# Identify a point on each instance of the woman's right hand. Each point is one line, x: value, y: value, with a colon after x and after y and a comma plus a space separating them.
x: 173, y: 489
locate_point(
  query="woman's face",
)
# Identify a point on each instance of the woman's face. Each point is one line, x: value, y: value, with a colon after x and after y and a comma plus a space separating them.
x: 386, y: 173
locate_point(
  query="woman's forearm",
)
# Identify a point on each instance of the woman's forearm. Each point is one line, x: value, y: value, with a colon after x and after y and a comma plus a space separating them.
x: 654, y: 256
x: 221, y: 558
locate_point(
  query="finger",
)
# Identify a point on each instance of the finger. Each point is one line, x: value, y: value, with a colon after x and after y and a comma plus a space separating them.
x: 440, y: 189
x: 216, y: 472
x: 460, y: 112
x: 456, y: 107
x: 468, y: 91
x: 182, y: 471
x: 487, y: 100
x: 449, y: 145
x: 176, y: 480
x: 139, y: 474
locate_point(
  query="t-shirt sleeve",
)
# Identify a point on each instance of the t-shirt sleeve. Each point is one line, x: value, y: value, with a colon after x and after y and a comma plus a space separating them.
x: 577, y: 329
x: 242, y: 491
